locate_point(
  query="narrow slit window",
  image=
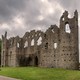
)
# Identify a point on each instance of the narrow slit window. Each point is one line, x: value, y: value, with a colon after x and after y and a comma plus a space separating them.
x: 32, y: 42
x: 18, y: 45
x: 67, y: 28
x: 55, y: 45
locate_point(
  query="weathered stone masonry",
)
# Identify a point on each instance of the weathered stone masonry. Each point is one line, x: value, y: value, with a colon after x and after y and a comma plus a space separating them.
x: 57, y: 47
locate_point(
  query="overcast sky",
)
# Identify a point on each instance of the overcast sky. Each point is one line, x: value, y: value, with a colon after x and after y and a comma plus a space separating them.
x: 19, y: 16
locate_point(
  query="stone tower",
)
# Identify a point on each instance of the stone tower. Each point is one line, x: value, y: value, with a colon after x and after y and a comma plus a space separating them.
x: 68, y: 41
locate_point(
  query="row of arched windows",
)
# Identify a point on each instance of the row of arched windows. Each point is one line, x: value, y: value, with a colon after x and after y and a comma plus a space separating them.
x: 39, y: 41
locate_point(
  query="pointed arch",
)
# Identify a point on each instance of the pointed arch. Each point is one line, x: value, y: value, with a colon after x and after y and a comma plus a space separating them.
x: 32, y: 42
x: 67, y: 28
x: 18, y: 45
x: 26, y: 44
x: 39, y: 41
x: 36, y: 61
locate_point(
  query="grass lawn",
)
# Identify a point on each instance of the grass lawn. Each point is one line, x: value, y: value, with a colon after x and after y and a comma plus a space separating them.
x: 35, y: 73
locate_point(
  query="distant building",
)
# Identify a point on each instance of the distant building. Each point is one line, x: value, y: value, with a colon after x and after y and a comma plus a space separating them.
x: 57, y: 47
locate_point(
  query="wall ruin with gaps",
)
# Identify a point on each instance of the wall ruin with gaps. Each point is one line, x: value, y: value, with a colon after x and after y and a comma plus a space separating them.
x: 57, y: 47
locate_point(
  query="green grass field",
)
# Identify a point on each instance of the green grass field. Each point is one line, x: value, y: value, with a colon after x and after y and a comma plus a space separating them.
x: 35, y: 73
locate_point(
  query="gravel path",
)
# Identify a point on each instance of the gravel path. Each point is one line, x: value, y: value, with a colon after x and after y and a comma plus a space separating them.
x: 7, y: 78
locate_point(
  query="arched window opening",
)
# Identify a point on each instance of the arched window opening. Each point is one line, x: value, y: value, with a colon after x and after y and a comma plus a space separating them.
x: 18, y: 45
x: 46, y: 46
x: 10, y: 55
x: 62, y: 19
x: 67, y: 28
x: 36, y: 61
x: 39, y: 41
x: 26, y: 44
x: 70, y: 15
x: 32, y: 42
x: 55, y: 45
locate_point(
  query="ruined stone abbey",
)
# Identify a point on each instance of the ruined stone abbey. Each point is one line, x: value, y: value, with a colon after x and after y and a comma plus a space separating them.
x: 57, y: 47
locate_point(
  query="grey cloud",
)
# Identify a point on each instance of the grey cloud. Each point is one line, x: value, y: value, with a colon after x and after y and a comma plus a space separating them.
x: 30, y: 10
x: 69, y: 5
x: 34, y: 12
x: 10, y: 8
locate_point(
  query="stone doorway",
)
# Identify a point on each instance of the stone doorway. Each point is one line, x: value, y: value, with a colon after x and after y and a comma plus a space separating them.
x: 36, y: 61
